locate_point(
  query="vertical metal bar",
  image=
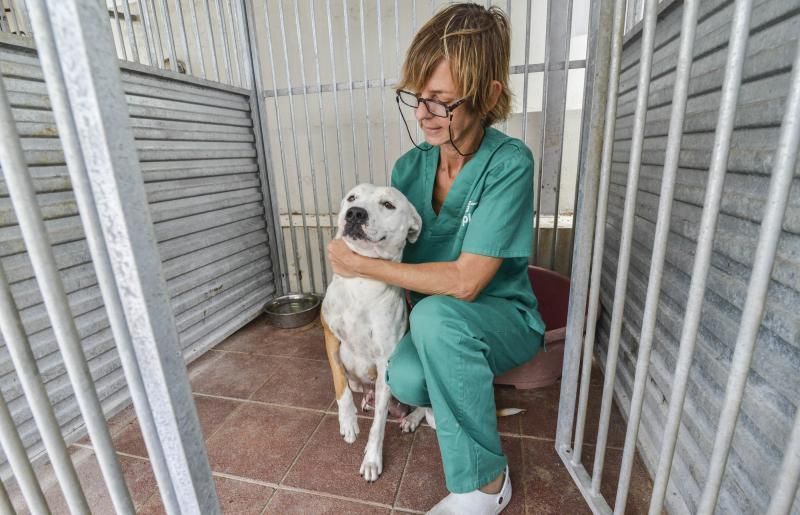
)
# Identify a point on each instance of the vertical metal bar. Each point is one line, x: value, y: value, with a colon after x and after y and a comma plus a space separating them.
x: 754, y: 305
x: 226, y: 53
x: 277, y: 249
x: 182, y: 27
x: 281, y: 146
x: 382, y: 92
x: 170, y: 40
x: 566, y: 405
x: 147, y: 35
x: 17, y: 24
x: 789, y: 475
x: 298, y: 168
x: 95, y: 90
x: 91, y: 224
x: 414, y: 27
x: 705, y: 240
x: 545, y: 104
x: 628, y: 217
x: 119, y: 31
x: 525, y: 90
x: 34, y: 233
x: 322, y: 119
x: 237, y: 55
x: 335, y: 103
x: 156, y: 28
x: 215, y: 65
x: 312, y: 168
x: 399, y: 70
x: 508, y: 15
x: 366, y: 88
x: 20, y: 465
x: 28, y: 374
x: 196, y: 30
x: 129, y: 23
x: 675, y: 134
x: 350, y: 85
x: 562, y: 115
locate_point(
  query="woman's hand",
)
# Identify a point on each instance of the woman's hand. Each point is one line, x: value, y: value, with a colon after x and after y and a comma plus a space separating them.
x: 344, y: 261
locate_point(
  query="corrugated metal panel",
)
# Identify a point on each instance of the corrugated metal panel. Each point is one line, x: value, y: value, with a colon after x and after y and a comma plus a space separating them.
x: 773, y: 390
x: 198, y: 154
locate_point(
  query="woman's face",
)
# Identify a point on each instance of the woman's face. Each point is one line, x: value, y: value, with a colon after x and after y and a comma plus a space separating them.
x: 441, y: 87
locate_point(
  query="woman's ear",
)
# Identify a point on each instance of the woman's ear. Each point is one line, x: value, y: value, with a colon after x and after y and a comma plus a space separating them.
x: 495, y: 88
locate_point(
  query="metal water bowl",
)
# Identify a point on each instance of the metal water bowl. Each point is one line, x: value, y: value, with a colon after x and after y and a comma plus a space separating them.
x: 293, y: 310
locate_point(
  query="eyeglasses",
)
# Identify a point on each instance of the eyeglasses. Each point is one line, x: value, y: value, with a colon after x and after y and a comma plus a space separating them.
x: 435, y: 107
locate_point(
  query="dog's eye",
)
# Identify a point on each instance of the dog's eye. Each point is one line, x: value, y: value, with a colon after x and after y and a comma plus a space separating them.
x: 388, y: 205
x: 351, y: 198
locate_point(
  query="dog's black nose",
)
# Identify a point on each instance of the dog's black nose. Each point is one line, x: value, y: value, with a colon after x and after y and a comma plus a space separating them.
x: 356, y: 215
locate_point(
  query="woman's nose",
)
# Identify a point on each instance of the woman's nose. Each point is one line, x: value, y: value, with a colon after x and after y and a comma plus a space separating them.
x: 421, y: 112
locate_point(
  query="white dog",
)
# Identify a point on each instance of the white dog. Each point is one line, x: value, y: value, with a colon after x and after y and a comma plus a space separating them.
x: 364, y: 319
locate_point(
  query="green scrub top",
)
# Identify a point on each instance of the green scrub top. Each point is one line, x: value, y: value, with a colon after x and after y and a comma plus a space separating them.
x: 488, y: 211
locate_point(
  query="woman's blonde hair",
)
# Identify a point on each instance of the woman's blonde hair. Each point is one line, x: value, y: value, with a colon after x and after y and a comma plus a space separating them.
x: 477, y: 43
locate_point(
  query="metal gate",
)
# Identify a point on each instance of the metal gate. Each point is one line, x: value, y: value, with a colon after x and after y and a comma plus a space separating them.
x: 593, y: 221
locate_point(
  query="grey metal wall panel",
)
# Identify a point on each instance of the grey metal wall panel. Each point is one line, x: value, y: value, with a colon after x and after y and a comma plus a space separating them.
x: 197, y: 148
x: 773, y: 390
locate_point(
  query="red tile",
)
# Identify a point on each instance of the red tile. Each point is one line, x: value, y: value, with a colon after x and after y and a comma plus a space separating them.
x: 211, y: 412
x: 328, y: 464
x: 234, y: 375
x: 203, y: 363
x: 260, y: 442
x: 423, y: 482
x: 258, y: 337
x: 641, y: 486
x: 298, y: 382
x: 289, y: 503
x: 235, y: 498
x: 545, y: 483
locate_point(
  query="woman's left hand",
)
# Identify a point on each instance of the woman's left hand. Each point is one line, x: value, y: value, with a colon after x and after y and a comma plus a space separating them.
x: 344, y: 261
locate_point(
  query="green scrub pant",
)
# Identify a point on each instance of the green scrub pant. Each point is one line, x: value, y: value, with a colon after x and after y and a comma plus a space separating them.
x: 448, y: 361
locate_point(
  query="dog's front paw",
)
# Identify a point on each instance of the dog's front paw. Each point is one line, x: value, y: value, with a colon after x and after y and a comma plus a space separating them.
x: 372, y: 466
x: 348, y: 427
x: 410, y: 422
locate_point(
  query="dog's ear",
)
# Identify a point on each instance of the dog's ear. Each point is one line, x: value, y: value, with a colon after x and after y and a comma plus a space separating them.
x: 414, y: 227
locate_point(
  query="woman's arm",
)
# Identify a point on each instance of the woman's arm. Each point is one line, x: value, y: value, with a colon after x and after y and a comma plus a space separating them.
x: 463, y: 278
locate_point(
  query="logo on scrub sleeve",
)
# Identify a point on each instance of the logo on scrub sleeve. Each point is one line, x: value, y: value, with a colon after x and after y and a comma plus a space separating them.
x: 468, y: 214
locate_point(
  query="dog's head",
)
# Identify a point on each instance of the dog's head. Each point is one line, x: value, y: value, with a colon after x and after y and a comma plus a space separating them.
x: 377, y: 221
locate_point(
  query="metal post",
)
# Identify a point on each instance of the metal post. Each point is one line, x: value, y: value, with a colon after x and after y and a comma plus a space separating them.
x: 298, y: 168
x: 281, y: 147
x: 20, y: 465
x: 147, y: 36
x: 156, y: 29
x: 525, y: 88
x: 80, y: 184
x: 382, y: 93
x: 753, y: 310
x: 237, y: 34
x: 170, y: 40
x: 567, y: 407
x: 196, y: 27
x: 119, y: 31
x: 94, y: 87
x: 740, y: 29
x: 366, y: 89
x: 346, y: 16
x: 214, y: 63
x: 335, y: 103
x: 620, y: 288
x: 34, y: 233
x: 675, y: 134
x: 277, y: 249
x: 331, y: 220
x: 312, y: 168
x: 129, y: 22
x: 226, y: 53
x: 182, y: 27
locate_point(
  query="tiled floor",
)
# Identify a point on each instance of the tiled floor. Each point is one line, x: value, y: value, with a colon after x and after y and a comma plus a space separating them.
x: 265, y: 402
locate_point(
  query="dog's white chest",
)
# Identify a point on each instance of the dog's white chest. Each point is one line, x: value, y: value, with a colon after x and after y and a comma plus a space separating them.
x: 368, y: 317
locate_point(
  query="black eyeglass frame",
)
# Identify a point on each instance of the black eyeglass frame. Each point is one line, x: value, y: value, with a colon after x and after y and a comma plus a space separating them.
x: 448, y: 108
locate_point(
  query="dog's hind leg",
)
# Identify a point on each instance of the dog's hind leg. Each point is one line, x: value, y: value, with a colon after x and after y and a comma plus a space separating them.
x: 372, y: 466
x: 348, y: 423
